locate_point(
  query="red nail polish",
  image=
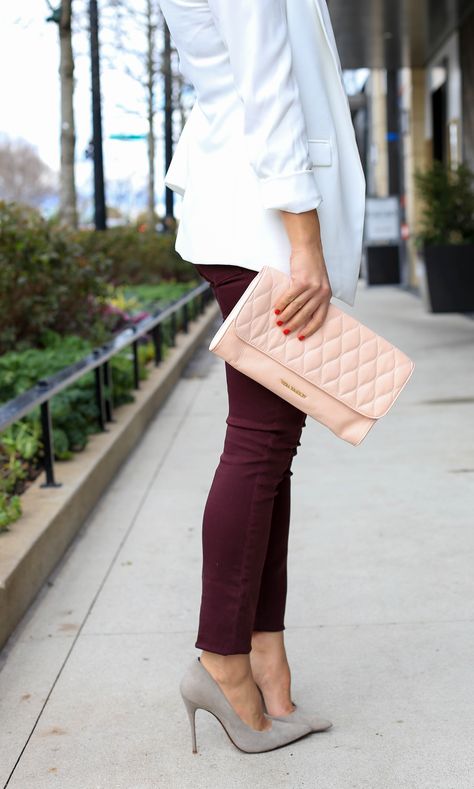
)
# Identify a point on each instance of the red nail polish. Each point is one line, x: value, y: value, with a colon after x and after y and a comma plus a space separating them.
x: 301, y: 336
x: 277, y: 312
x: 286, y: 331
x: 279, y: 323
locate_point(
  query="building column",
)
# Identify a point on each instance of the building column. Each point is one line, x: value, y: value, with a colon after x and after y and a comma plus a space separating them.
x: 415, y: 154
x: 377, y: 176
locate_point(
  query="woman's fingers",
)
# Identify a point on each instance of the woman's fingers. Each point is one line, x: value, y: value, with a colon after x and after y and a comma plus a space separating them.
x: 296, y: 306
x: 304, y: 305
x: 298, y: 297
x: 299, y: 317
x: 292, y: 300
x: 315, y: 322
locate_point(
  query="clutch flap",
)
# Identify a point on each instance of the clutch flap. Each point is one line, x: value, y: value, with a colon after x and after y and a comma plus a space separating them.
x: 343, y: 357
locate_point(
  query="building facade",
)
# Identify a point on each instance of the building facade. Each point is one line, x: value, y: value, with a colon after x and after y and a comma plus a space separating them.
x: 419, y: 97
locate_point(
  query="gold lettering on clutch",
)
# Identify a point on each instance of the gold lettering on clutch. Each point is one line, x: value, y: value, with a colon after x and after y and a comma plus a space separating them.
x: 293, y: 388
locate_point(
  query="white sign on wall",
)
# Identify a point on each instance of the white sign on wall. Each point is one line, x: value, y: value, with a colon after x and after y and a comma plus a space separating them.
x: 382, y: 221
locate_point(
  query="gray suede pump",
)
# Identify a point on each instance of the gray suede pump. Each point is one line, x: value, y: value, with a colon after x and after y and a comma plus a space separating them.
x: 313, y: 719
x: 300, y: 714
x: 200, y: 691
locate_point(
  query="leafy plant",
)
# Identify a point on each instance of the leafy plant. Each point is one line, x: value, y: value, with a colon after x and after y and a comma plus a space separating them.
x: 56, y: 279
x: 23, y: 439
x: 20, y: 370
x: 74, y: 411
x: 19, y: 446
x: 47, y: 281
x: 10, y: 510
x: 136, y: 257
x: 59, y: 298
x: 448, y: 197
x: 130, y: 304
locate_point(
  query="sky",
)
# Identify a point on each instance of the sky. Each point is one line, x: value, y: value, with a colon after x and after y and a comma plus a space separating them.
x: 29, y: 104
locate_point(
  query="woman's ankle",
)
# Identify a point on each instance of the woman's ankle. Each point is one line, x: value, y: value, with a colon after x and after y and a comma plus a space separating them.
x: 234, y: 676
x: 269, y: 648
x: 227, y: 669
x: 269, y: 662
x: 268, y: 641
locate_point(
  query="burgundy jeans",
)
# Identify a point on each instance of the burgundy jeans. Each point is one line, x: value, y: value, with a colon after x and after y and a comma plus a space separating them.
x: 247, y: 513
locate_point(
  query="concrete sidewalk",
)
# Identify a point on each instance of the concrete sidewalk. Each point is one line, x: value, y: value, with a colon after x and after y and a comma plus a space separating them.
x: 380, y: 616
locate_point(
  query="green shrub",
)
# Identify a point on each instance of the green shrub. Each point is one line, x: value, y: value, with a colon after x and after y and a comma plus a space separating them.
x: 20, y: 370
x: 138, y: 257
x: 57, y: 294
x: 55, y: 279
x: 157, y: 295
x: 47, y: 281
x: 74, y: 411
x: 10, y: 510
x: 448, y: 197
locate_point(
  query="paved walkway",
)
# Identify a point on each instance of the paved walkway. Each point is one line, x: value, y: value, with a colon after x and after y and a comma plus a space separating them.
x: 380, y: 617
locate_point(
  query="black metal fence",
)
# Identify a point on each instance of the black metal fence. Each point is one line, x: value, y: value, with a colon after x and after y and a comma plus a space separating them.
x: 99, y: 362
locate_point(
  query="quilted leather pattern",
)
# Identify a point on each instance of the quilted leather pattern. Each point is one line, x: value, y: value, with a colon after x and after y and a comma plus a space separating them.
x: 344, y: 358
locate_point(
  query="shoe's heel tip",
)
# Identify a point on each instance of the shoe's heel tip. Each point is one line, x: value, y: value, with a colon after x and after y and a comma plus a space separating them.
x: 191, y: 710
x: 194, y: 742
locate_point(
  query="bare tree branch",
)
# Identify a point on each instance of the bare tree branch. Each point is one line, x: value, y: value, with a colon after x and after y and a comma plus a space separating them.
x: 24, y: 177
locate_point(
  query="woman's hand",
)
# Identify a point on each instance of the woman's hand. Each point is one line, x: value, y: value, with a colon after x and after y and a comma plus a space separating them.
x: 304, y: 306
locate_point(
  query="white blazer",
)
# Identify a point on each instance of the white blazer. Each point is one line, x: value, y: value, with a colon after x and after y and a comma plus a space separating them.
x: 270, y: 129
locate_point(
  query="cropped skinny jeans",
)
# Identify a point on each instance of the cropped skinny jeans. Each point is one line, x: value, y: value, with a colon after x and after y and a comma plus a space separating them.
x: 247, y: 513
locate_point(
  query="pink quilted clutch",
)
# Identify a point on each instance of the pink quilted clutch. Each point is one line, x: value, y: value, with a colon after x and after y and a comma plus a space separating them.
x: 344, y: 375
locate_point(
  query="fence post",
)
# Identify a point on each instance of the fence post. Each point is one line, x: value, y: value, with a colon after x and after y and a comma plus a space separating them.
x: 109, y: 399
x: 157, y: 344
x: 173, y: 328
x: 136, y: 366
x: 99, y: 395
x: 47, y: 430
x: 185, y: 317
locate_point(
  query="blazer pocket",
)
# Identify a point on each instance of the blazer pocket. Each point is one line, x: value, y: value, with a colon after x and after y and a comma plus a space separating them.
x: 320, y: 152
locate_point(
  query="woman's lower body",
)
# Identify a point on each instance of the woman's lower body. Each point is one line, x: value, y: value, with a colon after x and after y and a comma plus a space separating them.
x: 244, y: 571
x: 247, y: 514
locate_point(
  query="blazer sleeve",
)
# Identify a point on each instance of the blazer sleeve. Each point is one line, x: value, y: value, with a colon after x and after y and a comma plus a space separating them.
x: 255, y: 33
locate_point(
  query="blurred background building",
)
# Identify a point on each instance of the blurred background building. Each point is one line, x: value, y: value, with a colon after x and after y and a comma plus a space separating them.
x: 417, y: 104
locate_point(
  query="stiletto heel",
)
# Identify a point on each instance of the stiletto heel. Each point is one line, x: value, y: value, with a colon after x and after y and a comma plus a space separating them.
x: 200, y: 690
x: 191, y: 709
